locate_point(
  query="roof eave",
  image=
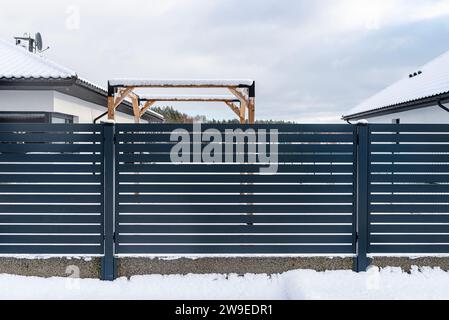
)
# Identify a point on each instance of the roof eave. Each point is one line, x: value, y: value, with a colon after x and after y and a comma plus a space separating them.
x: 401, y: 107
x: 35, y: 83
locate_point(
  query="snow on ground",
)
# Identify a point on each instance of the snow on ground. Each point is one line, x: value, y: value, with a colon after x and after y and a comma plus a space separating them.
x: 390, y: 283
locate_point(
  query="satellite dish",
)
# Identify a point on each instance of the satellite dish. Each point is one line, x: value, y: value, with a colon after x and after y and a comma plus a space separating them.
x: 39, y: 43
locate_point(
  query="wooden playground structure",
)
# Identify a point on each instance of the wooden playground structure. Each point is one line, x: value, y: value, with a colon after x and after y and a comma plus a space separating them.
x: 241, y: 99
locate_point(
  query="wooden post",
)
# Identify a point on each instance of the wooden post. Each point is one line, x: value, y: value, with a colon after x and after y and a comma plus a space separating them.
x: 244, y: 104
x: 111, y: 109
x: 252, y: 111
x: 252, y: 103
x: 136, y: 109
x: 243, y: 108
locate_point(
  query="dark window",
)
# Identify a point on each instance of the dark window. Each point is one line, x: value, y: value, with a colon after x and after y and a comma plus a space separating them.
x: 25, y: 117
x: 35, y: 117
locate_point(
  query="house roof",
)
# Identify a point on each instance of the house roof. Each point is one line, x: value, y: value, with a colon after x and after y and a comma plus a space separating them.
x: 20, y: 68
x: 429, y: 82
x: 18, y: 63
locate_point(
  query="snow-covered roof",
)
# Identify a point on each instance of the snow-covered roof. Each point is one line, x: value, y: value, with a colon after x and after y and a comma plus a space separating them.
x: 180, y: 83
x: 17, y: 63
x: 428, y: 81
x: 187, y: 98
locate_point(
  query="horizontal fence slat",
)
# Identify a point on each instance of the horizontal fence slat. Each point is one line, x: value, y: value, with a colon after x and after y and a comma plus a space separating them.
x: 282, y: 138
x: 53, y: 249
x: 293, y: 128
x: 240, y: 249
x: 284, y: 158
x: 42, y: 240
x: 410, y: 208
x: 410, y: 178
x: 215, y: 199
x: 235, y: 188
x: 400, y: 128
x: 409, y: 218
x: 412, y: 249
x: 49, y: 188
x: 410, y: 239
x: 59, y: 229
x: 237, y: 178
x: 409, y: 168
x: 50, y: 178
x: 52, y: 168
x: 50, y: 199
x: 50, y: 128
x: 233, y: 229
x: 418, y: 138
x: 410, y: 148
x: 133, y: 219
x: 235, y: 208
x: 231, y: 168
x: 50, y: 137
x: 406, y: 188
x: 410, y: 198
x: 49, y: 147
x: 409, y: 228
x: 51, y: 219
x: 204, y: 239
x: 50, y: 209
x: 246, y: 148
x: 52, y: 158
x: 419, y: 158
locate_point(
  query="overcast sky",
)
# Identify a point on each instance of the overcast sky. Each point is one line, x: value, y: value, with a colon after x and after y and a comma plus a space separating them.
x: 313, y: 60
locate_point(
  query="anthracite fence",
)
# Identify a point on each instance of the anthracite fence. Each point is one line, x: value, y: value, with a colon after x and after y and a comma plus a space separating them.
x: 113, y: 190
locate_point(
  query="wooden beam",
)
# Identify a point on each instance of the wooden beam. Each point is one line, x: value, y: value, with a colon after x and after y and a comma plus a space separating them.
x: 244, y: 105
x: 238, y: 94
x: 146, y: 106
x: 197, y: 98
x: 122, y: 96
x: 234, y: 108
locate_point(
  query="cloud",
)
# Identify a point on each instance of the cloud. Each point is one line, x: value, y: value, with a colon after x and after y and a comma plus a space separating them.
x: 312, y: 60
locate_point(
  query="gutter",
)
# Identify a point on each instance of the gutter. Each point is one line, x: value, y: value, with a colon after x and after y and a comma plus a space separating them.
x: 100, y: 116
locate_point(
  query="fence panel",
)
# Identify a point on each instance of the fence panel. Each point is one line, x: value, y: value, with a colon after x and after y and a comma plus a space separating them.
x: 409, y: 189
x: 192, y: 207
x: 51, y: 189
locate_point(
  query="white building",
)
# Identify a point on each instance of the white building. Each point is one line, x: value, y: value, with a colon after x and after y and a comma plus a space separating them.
x: 36, y: 90
x: 421, y: 97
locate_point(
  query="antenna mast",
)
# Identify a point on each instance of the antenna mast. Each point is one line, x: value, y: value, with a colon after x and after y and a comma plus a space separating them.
x: 32, y: 44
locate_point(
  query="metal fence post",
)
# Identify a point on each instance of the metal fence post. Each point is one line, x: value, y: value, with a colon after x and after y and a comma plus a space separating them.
x: 362, y: 262
x: 108, y: 268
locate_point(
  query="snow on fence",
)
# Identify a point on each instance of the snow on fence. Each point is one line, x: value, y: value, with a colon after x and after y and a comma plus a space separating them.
x: 113, y: 190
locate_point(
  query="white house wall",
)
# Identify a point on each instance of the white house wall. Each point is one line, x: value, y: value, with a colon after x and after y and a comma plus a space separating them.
x: 25, y: 101
x: 85, y: 111
x: 423, y: 115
